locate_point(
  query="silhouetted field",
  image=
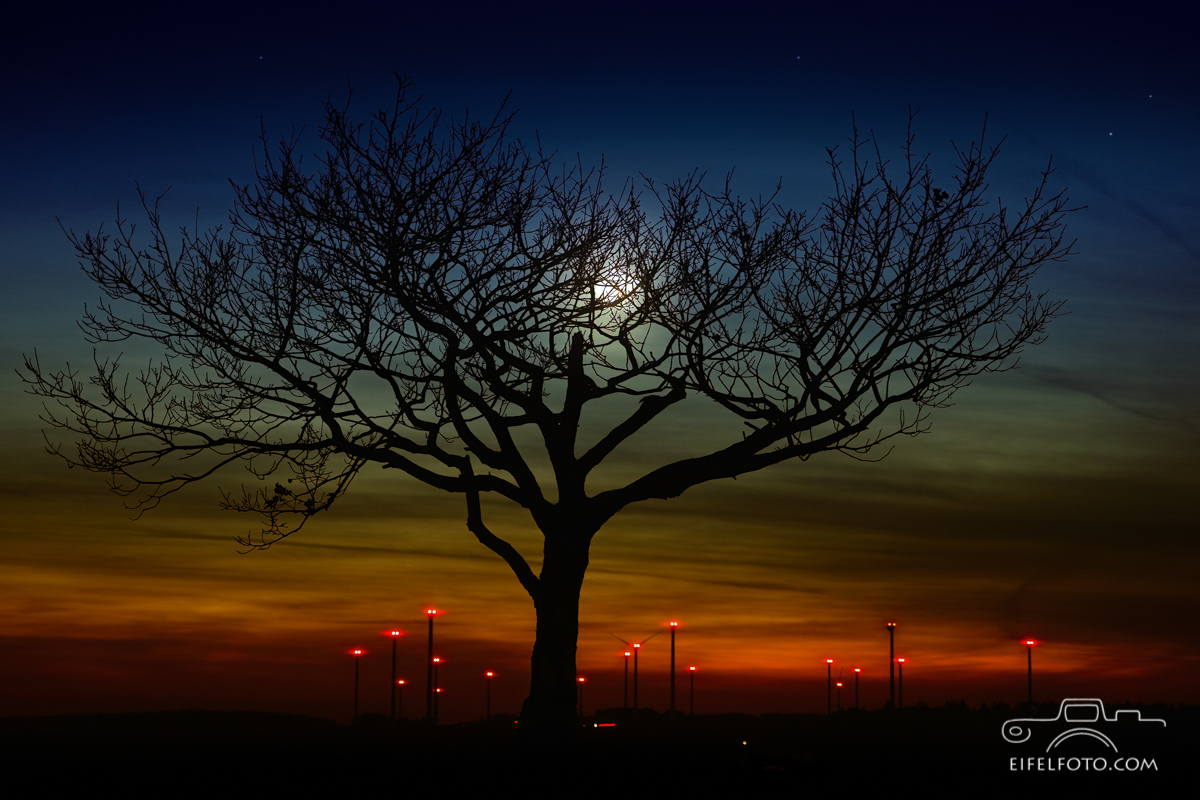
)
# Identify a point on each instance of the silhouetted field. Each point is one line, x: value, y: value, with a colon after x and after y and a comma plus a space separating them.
x: 943, y: 749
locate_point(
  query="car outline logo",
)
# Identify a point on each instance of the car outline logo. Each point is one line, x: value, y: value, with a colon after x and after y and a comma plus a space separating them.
x: 1074, y: 709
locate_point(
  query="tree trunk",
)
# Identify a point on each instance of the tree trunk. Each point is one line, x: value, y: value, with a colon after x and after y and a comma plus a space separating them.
x: 548, y: 716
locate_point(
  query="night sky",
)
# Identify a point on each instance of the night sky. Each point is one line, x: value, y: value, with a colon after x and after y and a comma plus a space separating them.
x: 1056, y: 501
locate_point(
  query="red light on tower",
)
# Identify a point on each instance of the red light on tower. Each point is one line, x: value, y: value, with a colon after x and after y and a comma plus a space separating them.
x: 434, y: 662
x: 829, y: 686
x: 891, y: 629
x: 395, y: 633
x: 674, y: 627
x: 487, y: 709
x: 356, y: 652
x: 637, y: 646
x: 581, y: 680
x: 1029, y: 643
x: 627, y: 655
x: 691, y: 691
x: 900, y: 683
x: 430, y: 695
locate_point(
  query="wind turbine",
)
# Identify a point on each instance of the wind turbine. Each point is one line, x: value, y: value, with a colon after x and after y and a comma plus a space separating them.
x: 635, y: 646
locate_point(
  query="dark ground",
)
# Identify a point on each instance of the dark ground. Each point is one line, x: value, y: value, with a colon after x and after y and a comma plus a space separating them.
x: 939, y: 752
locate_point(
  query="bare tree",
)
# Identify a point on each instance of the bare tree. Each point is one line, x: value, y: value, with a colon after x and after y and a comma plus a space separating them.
x: 432, y: 293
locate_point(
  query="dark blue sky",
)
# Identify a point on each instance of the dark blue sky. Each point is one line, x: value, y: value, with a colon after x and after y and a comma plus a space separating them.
x: 97, y: 99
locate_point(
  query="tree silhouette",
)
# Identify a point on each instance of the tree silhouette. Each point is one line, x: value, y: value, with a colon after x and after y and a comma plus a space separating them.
x: 432, y: 293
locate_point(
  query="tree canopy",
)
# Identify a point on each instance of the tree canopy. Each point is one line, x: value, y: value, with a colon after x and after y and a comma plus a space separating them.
x: 431, y: 290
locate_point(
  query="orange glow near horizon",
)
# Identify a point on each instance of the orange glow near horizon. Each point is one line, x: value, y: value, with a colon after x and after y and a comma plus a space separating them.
x: 208, y: 622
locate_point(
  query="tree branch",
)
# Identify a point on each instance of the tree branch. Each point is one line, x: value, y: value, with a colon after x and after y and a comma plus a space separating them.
x: 493, y: 542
